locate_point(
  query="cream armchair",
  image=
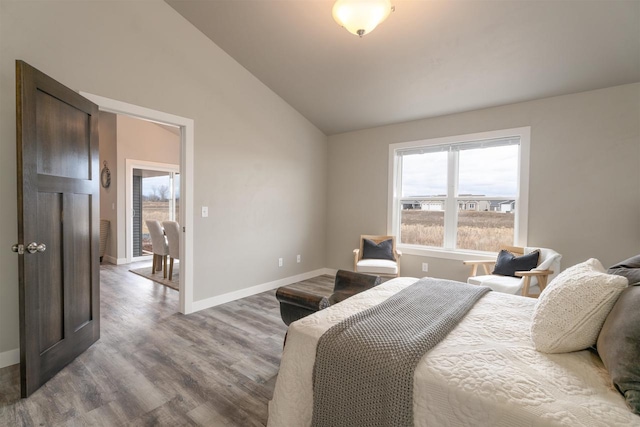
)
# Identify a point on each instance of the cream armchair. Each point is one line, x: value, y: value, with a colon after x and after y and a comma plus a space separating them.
x: 377, y: 256
x: 526, y: 283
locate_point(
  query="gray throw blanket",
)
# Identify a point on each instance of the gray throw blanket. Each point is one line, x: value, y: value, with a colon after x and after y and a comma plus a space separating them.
x: 363, y: 373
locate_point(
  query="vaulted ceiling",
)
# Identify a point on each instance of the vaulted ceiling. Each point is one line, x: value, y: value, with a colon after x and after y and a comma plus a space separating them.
x: 429, y: 58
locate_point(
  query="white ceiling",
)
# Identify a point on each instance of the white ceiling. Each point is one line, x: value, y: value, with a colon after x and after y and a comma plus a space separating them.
x: 428, y: 58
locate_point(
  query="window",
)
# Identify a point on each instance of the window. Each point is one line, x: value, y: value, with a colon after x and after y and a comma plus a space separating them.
x: 460, y: 194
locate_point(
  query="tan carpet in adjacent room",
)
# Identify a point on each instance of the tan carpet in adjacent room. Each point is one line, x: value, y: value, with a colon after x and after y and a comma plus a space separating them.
x: 157, y: 277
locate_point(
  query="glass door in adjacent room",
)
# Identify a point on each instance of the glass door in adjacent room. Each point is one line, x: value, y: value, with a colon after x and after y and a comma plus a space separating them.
x: 154, y: 195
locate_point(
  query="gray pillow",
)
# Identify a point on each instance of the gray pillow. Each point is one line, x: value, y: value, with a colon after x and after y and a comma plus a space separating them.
x: 382, y: 250
x: 629, y: 268
x: 619, y: 339
x: 507, y: 263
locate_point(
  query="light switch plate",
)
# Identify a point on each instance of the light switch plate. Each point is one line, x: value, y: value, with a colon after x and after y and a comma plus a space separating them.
x: 205, y: 211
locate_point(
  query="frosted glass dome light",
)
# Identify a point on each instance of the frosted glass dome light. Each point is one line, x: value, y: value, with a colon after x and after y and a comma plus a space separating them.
x: 360, y: 17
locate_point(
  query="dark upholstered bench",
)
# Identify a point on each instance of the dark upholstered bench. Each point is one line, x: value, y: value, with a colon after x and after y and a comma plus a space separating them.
x: 296, y: 303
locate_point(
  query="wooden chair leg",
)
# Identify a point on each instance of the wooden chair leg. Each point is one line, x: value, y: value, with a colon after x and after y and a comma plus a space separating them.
x: 164, y: 266
x: 153, y: 265
x: 525, y: 286
x: 170, y: 268
x: 542, y: 282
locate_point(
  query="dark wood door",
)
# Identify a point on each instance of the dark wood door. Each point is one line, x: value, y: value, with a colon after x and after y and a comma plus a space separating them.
x: 58, y: 225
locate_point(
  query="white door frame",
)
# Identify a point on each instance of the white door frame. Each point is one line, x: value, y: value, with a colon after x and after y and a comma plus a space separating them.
x: 132, y: 164
x: 186, y: 182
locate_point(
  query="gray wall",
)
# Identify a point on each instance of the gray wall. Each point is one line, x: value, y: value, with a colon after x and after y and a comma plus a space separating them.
x: 584, y: 185
x: 108, y: 196
x: 259, y: 165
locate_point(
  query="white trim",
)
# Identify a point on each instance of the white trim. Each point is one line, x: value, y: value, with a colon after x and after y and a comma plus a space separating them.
x: 329, y: 271
x: 459, y: 255
x: 130, y: 165
x: 522, y: 217
x: 10, y: 357
x: 142, y: 258
x: 110, y: 259
x: 247, y: 292
x: 521, y: 224
x: 187, y: 137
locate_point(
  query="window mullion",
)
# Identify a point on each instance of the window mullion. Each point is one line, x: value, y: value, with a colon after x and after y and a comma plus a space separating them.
x: 397, y: 196
x: 451, y: 209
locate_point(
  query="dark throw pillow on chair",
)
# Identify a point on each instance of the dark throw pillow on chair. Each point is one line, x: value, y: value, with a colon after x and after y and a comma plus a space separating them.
x: 382, y: 250
x: 507, y: 263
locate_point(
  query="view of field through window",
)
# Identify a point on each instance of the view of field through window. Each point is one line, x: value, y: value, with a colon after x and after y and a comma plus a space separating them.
x: 477, y: 203
x: 480, y: 231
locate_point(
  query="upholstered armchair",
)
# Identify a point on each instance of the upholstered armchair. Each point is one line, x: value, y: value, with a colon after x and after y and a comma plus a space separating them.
x: 296, y: 303
x: 377, y: 255
x: 517, y: 270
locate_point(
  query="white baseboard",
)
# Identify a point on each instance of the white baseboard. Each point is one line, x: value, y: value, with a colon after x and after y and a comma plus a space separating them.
x: 109, y: 259
x: 8, y: 358
x: 113, y: 260
x: 243, y: 293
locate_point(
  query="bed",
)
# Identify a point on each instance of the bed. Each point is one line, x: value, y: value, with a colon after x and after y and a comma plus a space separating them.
x: 486, y: 372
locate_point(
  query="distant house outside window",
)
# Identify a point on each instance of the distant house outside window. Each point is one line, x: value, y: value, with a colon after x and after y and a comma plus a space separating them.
x: 460, y: 194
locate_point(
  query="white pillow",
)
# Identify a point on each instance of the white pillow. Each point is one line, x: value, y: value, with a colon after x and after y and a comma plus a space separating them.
x: 572, y: 309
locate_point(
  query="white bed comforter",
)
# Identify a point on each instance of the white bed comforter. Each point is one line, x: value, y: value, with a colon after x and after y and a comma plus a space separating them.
x: 485, y: 373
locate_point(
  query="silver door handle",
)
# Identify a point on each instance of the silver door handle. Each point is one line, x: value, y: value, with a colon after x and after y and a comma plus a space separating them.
x: 19, y: 249
x: 34, y: 247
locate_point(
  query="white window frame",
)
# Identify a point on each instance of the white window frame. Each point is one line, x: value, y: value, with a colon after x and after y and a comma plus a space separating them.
x: 394, y: 196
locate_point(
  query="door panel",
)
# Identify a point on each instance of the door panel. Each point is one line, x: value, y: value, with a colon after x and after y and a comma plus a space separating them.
x: 79, y: 213
x: 50, y: 285
x: 58, y: 206
x: 63, y: 145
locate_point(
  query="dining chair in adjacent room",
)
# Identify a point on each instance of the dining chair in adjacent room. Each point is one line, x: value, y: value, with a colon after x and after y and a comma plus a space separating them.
x: 159, y: 246
x: 172, y: 230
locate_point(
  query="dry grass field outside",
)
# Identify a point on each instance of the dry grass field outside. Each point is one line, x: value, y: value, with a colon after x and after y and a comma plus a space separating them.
x: 481, y: 231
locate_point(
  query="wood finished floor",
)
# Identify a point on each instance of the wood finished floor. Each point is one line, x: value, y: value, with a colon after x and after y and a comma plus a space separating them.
x: 155, y: 367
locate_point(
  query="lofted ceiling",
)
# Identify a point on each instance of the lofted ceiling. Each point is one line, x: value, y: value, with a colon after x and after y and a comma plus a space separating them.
x: 429, y: 58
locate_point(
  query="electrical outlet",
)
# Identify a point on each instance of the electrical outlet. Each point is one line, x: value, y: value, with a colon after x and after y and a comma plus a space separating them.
x: 298, y: 259
x: 425, y: 267
x: 280, y: 262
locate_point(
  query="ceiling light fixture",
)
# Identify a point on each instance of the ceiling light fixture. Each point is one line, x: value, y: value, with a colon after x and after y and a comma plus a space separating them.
x: 360, y: 17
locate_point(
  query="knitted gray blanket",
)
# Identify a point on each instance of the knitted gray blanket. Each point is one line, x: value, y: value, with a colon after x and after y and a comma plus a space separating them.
x: 363, y: 373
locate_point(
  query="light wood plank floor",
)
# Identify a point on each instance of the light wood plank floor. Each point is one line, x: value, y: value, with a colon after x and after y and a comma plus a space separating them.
x: 155, y: 367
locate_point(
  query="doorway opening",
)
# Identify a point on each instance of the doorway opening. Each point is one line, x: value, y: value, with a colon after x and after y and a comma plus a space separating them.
x: 184, y: 183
